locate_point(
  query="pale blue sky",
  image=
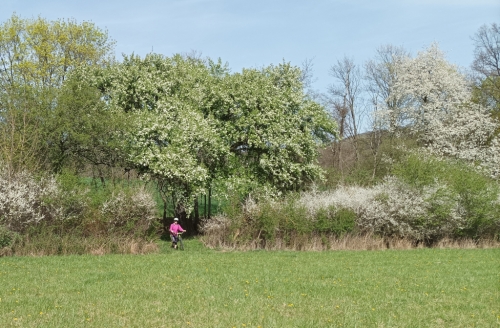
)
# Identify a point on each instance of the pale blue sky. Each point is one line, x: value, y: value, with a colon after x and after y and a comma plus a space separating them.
x: 254, y: 33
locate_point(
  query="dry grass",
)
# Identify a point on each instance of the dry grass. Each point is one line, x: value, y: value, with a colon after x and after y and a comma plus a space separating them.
x: 40, y: 246
x: 467, y: 243
x: 346, y: 242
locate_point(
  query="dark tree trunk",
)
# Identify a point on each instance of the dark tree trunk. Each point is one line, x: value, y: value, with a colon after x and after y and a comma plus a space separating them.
x: 205, y: 206
x: 196, y: 219
x: 209, y: 202
x: 164, y: 218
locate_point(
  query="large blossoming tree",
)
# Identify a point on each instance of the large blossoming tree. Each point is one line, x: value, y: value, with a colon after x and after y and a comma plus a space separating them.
x: 439, y: 109
x: 167, y: 137
x: 193, y: 125
x: 272, y: 127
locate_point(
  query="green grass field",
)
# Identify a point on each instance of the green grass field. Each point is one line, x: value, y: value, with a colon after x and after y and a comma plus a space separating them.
x: 203, y: 288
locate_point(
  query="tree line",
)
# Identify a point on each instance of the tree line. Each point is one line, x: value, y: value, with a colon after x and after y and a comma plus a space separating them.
x: 451, y: 111
x: 186, y: 123
x: 189, y: 126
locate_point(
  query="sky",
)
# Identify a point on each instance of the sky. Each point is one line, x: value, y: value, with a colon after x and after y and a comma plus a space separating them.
x: 257, y: 33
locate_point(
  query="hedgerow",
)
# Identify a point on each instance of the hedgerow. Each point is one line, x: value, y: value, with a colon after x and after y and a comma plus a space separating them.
x: 56, y: 206
x: 424, y: 200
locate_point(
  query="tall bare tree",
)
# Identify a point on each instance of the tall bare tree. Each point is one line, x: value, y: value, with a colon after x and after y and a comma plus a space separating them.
x: 344, y: 100
x: 380, y: 75
x: 486, y: 64
x: 307, y: 78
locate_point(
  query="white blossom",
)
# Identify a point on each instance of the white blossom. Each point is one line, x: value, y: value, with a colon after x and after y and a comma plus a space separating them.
x: 438, y: 108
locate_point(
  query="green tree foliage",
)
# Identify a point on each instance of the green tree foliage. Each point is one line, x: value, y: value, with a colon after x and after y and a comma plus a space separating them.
x: 193, y: 123
x: 272, y: 127
x: 487, y: 93
x: 43, y: 52
x: 83, y: 130
x: 36, y: 57
x: 466, y: 199
x: 169, y: 139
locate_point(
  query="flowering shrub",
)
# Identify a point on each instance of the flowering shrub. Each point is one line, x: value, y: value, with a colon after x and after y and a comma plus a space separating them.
x: 127, y: 210
x: 351, y: 197
x: 472, y: 195
x: 25, y: 201
x: 438, y: 107
x: 65, y: 205
x: 399, y: 210
x: 286, y: 219
x: 426, y: 199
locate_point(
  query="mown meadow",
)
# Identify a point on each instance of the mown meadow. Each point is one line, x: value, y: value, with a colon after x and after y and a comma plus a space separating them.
x: 199, y: 287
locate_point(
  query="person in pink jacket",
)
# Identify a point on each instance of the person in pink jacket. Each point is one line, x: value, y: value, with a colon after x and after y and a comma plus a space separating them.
x: 175, y: 228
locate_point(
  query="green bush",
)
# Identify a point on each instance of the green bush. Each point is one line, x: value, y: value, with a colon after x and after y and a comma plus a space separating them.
x: 7, y: 237
x: 294, y: 216
x: 473, y: 195
x: 336, y: 221
x: 478, y: 199
x: 419, y: 172
x: 286, y: 219
x: 344, y: 221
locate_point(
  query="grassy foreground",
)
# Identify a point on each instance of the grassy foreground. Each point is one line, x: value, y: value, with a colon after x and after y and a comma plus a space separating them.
x: 203, y: 288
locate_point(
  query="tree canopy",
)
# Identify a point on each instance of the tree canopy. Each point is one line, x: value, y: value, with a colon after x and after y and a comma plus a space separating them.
x: 36, y: 56
x: 192, y: 123
x: 439, y: 108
